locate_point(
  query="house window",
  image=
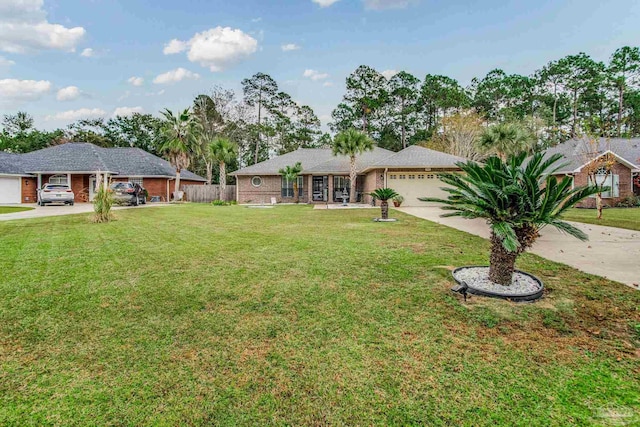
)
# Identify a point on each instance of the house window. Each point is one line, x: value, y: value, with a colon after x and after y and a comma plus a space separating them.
x: 287, y: 187
x: 420, y: 176
x: 403, y: 176
x: 138, y: 181
x: 412, y: 177
x: 256, y: 181
x: 608, y: 180
x: 58, y: 179
x: 392, y: 177
x: 431, y: 176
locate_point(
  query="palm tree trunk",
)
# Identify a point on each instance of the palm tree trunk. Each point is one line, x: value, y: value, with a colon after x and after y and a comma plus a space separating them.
x: 295, y: 190
x: 352, y: 180
x: 502, y: 263
x: 223, y: 181
x: 209, y: 172
x: 177, y: 187
x: 384, y: 209
x: 575, y: 114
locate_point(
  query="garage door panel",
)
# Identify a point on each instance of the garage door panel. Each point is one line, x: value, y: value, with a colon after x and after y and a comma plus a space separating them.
x: 10, y: 190
x: 412, y: 185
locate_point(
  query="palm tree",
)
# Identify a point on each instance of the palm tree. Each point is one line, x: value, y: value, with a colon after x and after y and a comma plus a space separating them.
x: 506, y: 139
x: 290, y: 173
x: 223, y: 151
x: 384, y: 195
x: 517, y: 198
x: 352, y: 143
x: 178, y: 132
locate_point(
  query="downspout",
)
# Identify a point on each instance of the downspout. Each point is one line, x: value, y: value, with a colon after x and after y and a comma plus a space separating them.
x: 385, y: 177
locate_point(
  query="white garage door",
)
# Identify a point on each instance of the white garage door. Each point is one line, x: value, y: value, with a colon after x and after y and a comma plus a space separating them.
x: 412, y: 185
x: 10, y: 190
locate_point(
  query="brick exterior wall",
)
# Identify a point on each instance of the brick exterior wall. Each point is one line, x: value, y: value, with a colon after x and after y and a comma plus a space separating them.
x: 625, y: 187
x: 372, y: 180
x: 29, y: 190
x: 271, y: 187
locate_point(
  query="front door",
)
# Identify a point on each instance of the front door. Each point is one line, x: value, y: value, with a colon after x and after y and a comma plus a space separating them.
x: 320, y: 188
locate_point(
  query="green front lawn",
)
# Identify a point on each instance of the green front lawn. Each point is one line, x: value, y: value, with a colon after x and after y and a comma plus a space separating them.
x: 613, y: 217
x: 13, y: 209
x: 202, y: 315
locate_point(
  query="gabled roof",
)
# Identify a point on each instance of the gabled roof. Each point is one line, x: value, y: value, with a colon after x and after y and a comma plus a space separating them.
x: 415, y: 156
x: 81, y: 157
x: 577, y: 152
x: 342, y: 164
x: 322, y: 161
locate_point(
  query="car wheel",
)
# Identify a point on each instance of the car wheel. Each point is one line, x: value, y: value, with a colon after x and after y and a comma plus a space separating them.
x: 72, y: 203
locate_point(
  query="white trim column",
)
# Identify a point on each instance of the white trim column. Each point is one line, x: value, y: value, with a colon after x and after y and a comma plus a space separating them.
x: 69, y: 180
x: 39, y: 181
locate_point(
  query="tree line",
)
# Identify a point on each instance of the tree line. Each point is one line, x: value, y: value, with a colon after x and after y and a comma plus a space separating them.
x: 565, y: 98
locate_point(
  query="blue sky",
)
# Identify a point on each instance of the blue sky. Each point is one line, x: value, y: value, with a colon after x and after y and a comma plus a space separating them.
x: 46, y: 69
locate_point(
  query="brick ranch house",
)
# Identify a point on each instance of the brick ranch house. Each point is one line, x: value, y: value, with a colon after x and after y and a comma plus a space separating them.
x: 624, y: 176
x: 412, y: 172
x: 78, y: 164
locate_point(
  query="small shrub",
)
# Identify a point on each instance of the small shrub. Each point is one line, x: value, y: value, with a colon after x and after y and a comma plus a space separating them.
x: 220, y: 203
x: 102, y: 203
x: 629, y: 202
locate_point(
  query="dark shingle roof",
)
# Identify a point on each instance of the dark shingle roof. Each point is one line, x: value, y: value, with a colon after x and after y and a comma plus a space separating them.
x: 315, y: 160
x: 578, y: 151
x: 10, y: 164
x: 416, y: 156
x: 89, y: 158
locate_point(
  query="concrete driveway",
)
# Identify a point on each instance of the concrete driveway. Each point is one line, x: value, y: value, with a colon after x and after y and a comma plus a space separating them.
x: 57, y: 210
x: 611, y: 252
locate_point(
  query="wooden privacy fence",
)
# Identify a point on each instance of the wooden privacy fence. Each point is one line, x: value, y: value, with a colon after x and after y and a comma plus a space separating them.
x: 208, y: 193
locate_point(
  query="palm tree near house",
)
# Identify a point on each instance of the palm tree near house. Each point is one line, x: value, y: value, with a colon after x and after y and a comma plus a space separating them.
x: 384, y: 195
x: 290, y: 174
x: 179, y: 133
x: 517, y: 197
x: 223, y: 151
x: 505, y: 139
x: 352, y: 143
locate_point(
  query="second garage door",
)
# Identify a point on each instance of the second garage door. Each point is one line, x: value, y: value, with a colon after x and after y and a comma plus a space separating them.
x: 10, y: 189
x: 412, y: 185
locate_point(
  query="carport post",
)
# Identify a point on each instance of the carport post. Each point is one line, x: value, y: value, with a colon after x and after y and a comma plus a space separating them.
x: 69, y: 179
x: 39, y: 181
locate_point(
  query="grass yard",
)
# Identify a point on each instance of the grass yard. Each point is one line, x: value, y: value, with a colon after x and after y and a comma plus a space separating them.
x: 201, y: 315
x: 13, y: 209
x: 613, y: 217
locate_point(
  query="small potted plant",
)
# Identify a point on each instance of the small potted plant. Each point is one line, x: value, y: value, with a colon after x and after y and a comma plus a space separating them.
x: 397, y: 200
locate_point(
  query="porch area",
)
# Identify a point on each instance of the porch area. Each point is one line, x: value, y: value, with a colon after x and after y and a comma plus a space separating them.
x: 334, y: 189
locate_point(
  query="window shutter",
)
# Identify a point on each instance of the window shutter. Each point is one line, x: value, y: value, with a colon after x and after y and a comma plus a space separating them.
x: 615, y: 187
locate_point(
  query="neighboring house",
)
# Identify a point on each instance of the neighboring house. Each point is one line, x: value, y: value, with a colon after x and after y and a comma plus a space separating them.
x: 78, y: 164
x: 623, y: 176
x: 412, y: 172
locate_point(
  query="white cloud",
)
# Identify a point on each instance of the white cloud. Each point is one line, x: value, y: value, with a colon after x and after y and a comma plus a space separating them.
x: 127, y: 111
x: 136, y: 81
x: 88, y: 53
x: 258, y: 19
x: 174, y: 76
x: 325, y: 3
x: 387, y: 4
x: 73, y: 115
x: 68, y: 93
x: 389, y: 73
x: 4, y: 62
x: 14, y: 91
x: 158, y: 93
x: 327, y: 84
x: 289, y: 47
x: 314, y: 75
x: 174, y: 46
x: 24, y: 27
x: 217, y: 48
